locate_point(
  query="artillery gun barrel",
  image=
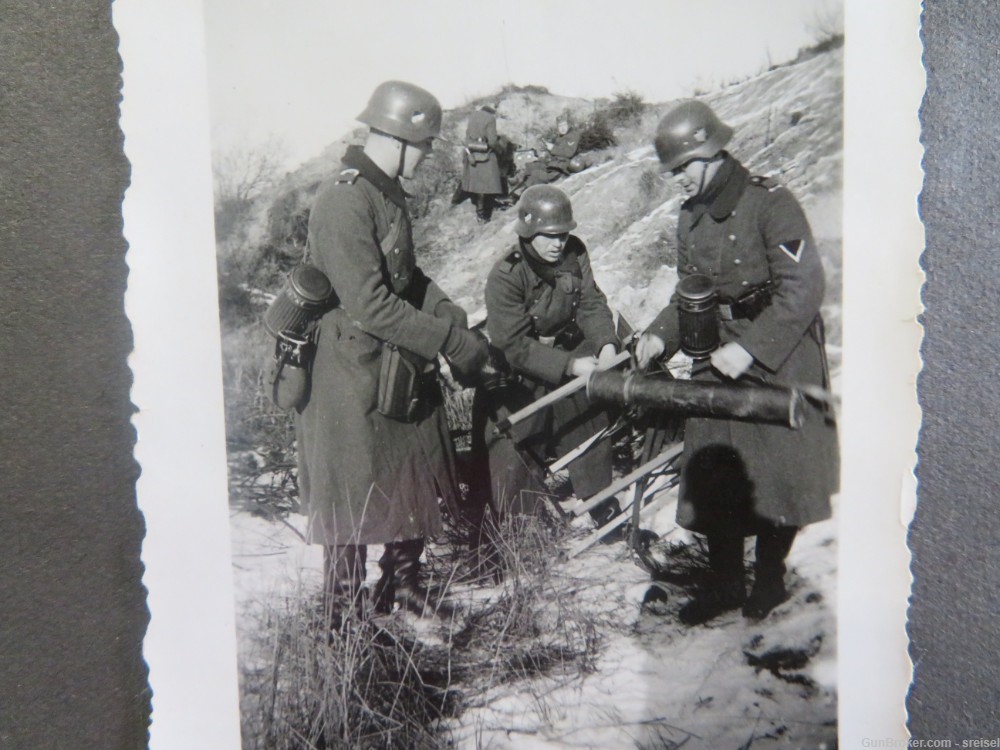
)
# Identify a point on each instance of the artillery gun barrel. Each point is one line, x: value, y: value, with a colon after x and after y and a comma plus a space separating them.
x: 693, y: 398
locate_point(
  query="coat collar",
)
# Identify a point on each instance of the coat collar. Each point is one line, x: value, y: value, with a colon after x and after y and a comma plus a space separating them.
x: 356, y: 158
x: 723, y: 191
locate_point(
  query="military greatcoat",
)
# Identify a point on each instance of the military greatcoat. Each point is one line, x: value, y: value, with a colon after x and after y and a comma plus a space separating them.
x: 738, y: 477
x: 481, y: 174
x: 540, y: 317
x: 367, y: 478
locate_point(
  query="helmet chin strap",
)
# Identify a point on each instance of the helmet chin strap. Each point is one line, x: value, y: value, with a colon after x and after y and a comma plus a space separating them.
x: 704, y: 172
x: 402, y: 157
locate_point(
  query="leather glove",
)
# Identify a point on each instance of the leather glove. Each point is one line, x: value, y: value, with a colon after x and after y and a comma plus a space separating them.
x: 465, y: 351
x: 448, y: 310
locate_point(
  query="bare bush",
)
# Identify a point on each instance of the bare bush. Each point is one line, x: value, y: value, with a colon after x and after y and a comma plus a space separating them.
x: 241, y: 177
x: 827, y: 22
x: 626, y: 109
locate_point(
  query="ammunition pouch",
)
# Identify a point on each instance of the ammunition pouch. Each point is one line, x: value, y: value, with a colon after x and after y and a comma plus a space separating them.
x: 570, y: 337
x: 748, y: 306
x: 403, y: 382
x: 288, y: 376
x: 478, y: 147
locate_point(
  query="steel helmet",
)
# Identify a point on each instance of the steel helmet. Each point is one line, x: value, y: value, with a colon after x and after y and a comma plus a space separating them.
x: 691, y: 130
x: 543, y: 209
x: 403, y: 110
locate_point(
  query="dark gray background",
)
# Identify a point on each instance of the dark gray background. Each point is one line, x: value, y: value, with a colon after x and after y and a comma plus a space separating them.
x: 72, y: 609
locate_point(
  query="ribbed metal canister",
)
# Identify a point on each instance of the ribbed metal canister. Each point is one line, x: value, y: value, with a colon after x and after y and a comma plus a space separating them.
x: 306, y: 295
x: 697, y: 311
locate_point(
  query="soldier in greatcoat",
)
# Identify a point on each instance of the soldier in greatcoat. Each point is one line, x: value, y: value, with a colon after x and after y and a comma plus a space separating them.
x: 481, y: 172
x: 550, y: 322
x: 751, y: 238
x: 365, y: 476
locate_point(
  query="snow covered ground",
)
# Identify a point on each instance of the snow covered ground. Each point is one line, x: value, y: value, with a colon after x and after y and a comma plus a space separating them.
x: 730, y: 685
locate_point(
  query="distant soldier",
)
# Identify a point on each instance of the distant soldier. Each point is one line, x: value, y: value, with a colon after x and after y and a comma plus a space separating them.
x: 481, y: 173
x: 374, y: 449
x: 551, y: 322
x: 565, y: 146
x: 750, y: 237
x: 560, y: 161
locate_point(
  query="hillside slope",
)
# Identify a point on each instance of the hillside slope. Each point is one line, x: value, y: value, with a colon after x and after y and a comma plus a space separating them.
x: 654, y: 683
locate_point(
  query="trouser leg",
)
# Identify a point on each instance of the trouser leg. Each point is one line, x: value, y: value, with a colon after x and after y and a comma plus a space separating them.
x: 343, y: 575
x: 725, y: 558
x: 486, y: 208
x: 772, y: 548
x: 726, y: 589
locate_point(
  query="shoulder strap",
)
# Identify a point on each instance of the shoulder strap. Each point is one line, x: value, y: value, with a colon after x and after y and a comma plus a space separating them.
x: 769, y: 183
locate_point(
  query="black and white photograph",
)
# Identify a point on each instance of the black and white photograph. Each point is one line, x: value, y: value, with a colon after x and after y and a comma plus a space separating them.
x: 544, y: 409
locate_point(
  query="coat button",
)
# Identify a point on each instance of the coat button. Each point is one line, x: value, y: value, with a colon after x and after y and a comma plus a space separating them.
x: 733, y: 213
x: 732, y: 238
x: 396, y: 250
x: 694, y: 268
x: 737, y: 261
x: 395, y: 275
x: 744, y: 283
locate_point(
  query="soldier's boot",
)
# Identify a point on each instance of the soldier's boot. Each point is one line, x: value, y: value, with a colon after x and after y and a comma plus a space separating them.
x: 727, y: 583
x: 603, y: 514
x: 485, y: 209
x: 400, y: 582
x: 343, y: 582
x: 768, y: 589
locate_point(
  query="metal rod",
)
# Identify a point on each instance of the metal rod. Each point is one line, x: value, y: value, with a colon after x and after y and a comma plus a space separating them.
x: 613, y: 524
x: 623, y: 482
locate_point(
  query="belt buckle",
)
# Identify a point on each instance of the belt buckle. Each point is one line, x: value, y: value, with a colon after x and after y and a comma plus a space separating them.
x: 726, y: 312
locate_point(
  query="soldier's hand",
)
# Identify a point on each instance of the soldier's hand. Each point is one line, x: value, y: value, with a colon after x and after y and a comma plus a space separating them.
x: 451, y: 312
x: 465, y: 350
x: 732, y: 360
x: 647, y: 348
x: 606, y: 356
x: 581, y: 366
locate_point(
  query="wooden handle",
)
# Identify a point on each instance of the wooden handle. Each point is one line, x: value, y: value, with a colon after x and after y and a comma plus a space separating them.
x: 550, y: 398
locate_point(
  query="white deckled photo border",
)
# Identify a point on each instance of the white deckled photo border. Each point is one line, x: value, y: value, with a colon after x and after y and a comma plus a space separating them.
x: 172, y: 304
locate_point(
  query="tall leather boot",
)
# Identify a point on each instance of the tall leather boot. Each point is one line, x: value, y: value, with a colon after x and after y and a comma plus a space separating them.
x: 768, y: 589
x: 727, y: 584
x: 343, y: 581
x: 400, y: 580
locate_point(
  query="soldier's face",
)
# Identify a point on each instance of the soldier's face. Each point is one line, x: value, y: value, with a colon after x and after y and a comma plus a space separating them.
x: 549, y: 247
x: 692, y: 176
x: 563, y: 127
x: 416, y: 153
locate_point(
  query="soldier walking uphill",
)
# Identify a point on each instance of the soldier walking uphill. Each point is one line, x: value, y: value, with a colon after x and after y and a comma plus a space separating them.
x: 374, y: 449
x: 750, y: 238
x: 551, y: 322
x: 481, y: 172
